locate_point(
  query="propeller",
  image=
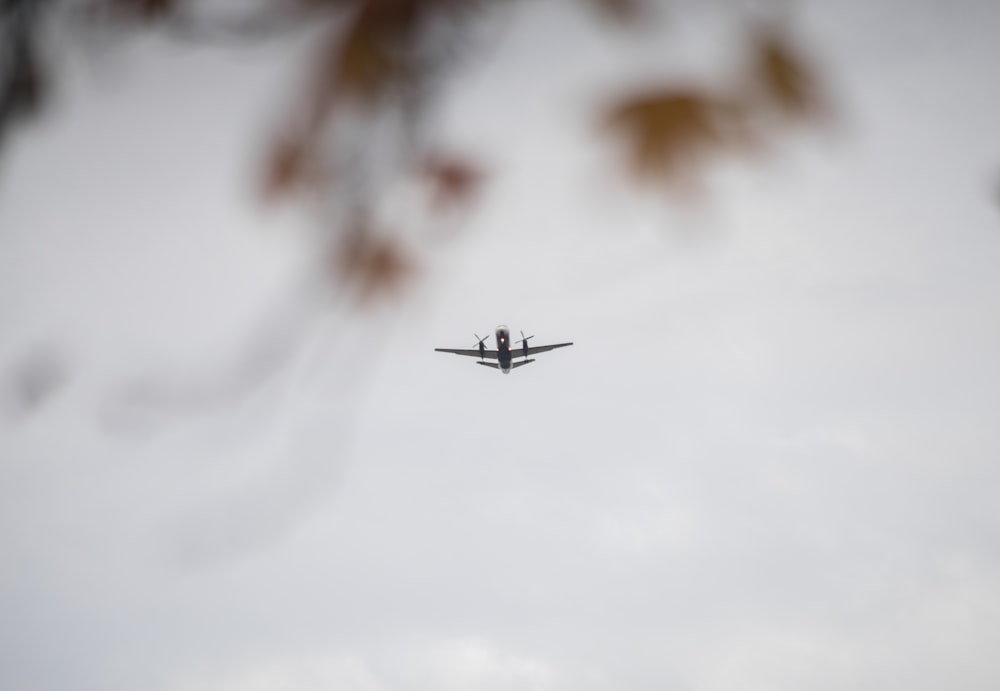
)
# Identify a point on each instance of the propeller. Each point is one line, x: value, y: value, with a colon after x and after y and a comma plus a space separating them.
x: 480, y: 343
x: 524, y: 343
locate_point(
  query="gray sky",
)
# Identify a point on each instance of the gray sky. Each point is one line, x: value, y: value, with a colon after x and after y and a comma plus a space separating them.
x: 769, y: 462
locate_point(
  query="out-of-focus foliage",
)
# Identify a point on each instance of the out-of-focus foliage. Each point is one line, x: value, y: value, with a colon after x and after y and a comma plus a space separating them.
x: 21, y: 77
x: 384, y: 57
x: 374, y: 264
x: 290, y: 166
x: 785, y: 78
x: 669, y: 133
x: 455, y: 182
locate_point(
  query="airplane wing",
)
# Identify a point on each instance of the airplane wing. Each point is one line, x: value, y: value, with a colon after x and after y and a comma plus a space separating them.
x: 538, y: 349
x: 471, y: 352
x: 513, y: 365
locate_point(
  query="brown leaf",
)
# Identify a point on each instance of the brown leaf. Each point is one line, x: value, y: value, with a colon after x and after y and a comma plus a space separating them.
x: 284, y: 169
x: 455, y: 182
x: 365, y: 67
x: 363, y: 62
x: 786, y: 81
x: 669, y: 134
x: 292, y: 166
x: 380, y: 50
x: 372, y: 56
x: 378, y: 266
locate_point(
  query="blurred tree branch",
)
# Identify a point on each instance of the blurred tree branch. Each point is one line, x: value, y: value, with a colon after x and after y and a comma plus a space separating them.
x: 21, y: 78
x: 383, y: 56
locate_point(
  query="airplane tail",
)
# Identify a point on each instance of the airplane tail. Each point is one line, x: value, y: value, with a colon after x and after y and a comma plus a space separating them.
x: 488, y: 364
x: 519, y: 363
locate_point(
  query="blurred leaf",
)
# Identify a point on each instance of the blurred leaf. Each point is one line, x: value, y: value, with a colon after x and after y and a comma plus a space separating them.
x: 365, y: 67
x: 376, y: 265
x: 291, y: 166
x: 455, y: 182
x: 372, y: 56
x: 284, y: 169
x: 384, y: 49
x: 670, y: 134
x: 786, y: 80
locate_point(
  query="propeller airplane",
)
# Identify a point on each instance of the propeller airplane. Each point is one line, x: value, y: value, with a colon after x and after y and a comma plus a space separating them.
x: 503, y: 354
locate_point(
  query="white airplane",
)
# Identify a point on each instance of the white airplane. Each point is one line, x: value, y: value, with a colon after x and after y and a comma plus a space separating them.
x: 503, y: 354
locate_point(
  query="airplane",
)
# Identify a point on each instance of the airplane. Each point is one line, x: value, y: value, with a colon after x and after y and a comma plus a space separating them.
x: 503, y: 355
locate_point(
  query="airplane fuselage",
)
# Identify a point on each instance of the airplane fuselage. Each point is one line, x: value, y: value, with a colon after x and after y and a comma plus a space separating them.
x: 503, y: 349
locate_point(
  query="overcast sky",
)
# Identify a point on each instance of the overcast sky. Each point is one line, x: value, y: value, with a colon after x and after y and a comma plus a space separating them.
x: 771, y: 460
